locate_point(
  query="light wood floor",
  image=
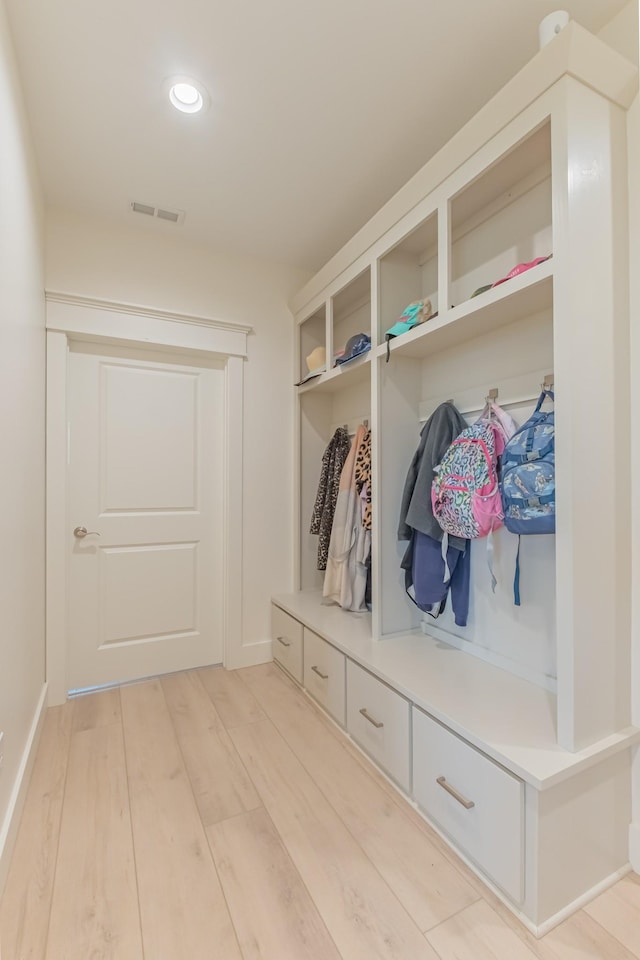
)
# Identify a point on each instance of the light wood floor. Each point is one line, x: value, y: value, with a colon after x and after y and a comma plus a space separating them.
x: 221, y: 816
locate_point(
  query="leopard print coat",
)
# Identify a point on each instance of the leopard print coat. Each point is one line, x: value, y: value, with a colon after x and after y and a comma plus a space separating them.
x: 333, y: 461
x: 363, y: 478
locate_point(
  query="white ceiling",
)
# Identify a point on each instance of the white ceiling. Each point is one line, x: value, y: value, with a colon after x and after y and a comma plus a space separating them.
x: 321, y: 109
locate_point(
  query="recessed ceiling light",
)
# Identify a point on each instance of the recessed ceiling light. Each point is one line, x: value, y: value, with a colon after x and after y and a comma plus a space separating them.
x: 186, y: 95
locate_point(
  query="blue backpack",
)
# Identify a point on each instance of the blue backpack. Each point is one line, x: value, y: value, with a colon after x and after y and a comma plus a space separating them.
x: 528, y: 484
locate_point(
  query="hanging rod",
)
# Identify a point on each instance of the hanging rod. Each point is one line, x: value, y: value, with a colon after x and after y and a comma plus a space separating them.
x: 509, y: 401
x: 350, y: 425
x: 512, y: 392
x: 365, y: 424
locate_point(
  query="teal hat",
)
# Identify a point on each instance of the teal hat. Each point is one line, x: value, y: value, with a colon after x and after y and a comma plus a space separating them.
x: 411, y: 316
x: 400, y: 327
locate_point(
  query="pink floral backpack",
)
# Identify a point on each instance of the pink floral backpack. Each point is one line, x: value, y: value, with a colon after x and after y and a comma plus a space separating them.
x: 465, y: 493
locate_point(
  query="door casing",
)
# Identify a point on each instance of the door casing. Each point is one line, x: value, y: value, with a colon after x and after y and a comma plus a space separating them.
x: 70, y: 318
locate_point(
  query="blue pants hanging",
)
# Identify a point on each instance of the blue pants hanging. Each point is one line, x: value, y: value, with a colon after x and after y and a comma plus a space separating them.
x: 424, y: 572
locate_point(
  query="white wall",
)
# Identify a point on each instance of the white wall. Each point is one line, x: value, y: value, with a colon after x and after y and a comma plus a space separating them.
x: 634, y: 254
x: 21, y: 440
x: 622, y: 34
x: 149, y: 265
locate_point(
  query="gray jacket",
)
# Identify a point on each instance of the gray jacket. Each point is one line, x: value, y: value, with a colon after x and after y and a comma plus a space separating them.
x: 416, y: 513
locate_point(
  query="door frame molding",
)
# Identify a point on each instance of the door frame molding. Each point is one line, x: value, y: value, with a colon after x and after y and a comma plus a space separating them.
x: 70, y: 317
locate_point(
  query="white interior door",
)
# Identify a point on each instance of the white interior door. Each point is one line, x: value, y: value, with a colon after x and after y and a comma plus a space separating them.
x: 145, y: 482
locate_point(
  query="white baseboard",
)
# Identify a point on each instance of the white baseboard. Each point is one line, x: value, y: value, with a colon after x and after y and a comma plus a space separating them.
x: 250, y: 655
x: 543, y: 928
x: 9, y: 828
x: 634, y: 846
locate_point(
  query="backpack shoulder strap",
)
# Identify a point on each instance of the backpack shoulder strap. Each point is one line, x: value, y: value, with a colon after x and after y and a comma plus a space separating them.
x: 501, y: 422
x: 543, y: 396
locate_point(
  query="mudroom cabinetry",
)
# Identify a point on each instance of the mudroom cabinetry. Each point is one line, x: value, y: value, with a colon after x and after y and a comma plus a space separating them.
x: 512, y: 734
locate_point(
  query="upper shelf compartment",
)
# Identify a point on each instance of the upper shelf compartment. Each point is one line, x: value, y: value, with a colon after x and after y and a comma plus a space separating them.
x: 498, y: 223
x: 529, y: 294
x: 351, y: 312
x: 574, y: 53
x: 502, y: 218
x: 409, y: 272
x: 349, y: 317
x: 313, y: 337
x: 347, y: 375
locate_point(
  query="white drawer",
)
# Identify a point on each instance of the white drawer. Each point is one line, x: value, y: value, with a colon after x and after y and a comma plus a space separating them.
x: 378, y: 719
x: 324, y: 674
x: 476, y: 802
x: 286, y: 634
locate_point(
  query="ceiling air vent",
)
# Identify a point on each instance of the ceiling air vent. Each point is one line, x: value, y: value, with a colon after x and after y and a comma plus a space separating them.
x: 168, y: 215
x: 143, y: 208
x: 172, y: 216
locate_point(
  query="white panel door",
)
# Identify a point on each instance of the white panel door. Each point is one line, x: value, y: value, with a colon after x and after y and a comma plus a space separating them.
x: 145, y: 482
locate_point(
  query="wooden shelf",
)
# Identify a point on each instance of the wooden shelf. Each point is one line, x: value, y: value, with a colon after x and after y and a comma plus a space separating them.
x: 345, y: 375
x: 526, y: 295
x: 575, y: 52
x: 509, y: 719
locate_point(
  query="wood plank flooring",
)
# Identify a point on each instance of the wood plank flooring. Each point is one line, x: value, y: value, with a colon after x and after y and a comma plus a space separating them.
x: 223, y: 816
x: 94, y: 909
x: 183, y: 911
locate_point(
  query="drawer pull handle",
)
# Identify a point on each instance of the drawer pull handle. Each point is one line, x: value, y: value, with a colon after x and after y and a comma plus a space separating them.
x: 323, y: 676
x: 367, y: 716
x: 467, y: 804
x: 284, y: 642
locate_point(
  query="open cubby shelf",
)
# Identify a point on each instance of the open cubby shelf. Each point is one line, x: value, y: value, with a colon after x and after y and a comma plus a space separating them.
x: 355, y: 371
x: 524, y: 296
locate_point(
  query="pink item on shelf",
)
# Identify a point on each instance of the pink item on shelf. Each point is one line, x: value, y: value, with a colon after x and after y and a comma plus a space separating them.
x: 521, y: 268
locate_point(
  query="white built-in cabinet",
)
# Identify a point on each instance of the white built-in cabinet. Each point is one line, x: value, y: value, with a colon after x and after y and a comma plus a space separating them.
x: 512, y: 735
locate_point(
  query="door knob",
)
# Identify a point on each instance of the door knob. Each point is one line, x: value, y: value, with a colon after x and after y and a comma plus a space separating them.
x: 81, y: 532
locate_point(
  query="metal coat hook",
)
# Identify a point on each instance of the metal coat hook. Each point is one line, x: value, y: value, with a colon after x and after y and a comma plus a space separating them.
x: 492, y: 396
x: 547, y: 383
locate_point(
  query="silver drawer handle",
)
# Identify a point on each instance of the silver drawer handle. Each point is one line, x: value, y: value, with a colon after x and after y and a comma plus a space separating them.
x: 367, y: 716
x: 284, y: 642
x: 323, y: 676
x: 467, y: 804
